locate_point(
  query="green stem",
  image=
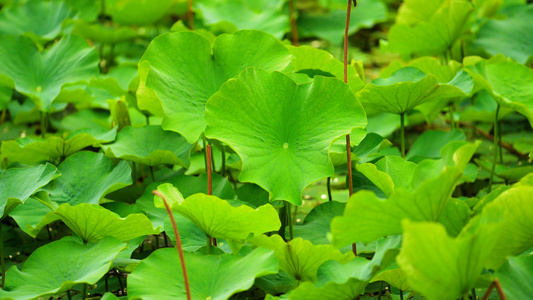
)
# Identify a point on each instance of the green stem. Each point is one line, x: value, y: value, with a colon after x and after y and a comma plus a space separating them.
x: 283, y: 220
x: 3, y: 116
x: 69, y: 297
x: 452, y: 119
x: 2, y: 254
x: 208, y: 245
x: 380, y: 289
x: 402, y: 133
x: 289, y: 220
x: 84, y: 291
x: 401, y: 295
x: 495, y: 150
x: 223, y: 161
x: 134, y: 172
x: 44, y: 123
x: 152, y: 173
x: 204, y: 139
x: 473, y: 291
x: 328, y: 184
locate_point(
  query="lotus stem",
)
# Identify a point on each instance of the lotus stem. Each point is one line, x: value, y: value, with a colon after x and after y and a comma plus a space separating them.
x: 473, y: 292
x: 2, y: 254
x: 495, y: 284
x: 495, y: 150
x: 84, y: 291
x: 209, y: 171
x: 3, y: 116
x: 208, y: 244
x: 44, y: 124
x: 401, y: 295
x: 69, y: 297
x: 223, y: 171
x: 380, y: 290
x: 152, y: 173
x: 283, y: 221
x: 179, y: 246
x: 402, y: 134
x: 289, y: 219
x: 328, y: 185
x: 134, y: 172
x: 294, y: 28
x: 452, y: 119
x: 190, y: 15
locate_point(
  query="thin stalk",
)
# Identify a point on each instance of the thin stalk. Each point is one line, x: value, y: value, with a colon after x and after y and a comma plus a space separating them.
x: 283, y: 220
x: 208, y: 244
x: 473, y: 292
x: 152, y: 173
x: 223, y: 161
x: 328, y: 185
x: 289, y: 220
x: 2, y: 254
x: 380, y: 290
x: 69, y: 297
x: 295, y: 214
x: 495, y: 284
x: 179, y: 246
x: 452, y: 119
x: 3, y: 116
x: 294, y: 28
x: 401, y: 295
x: 166, y: 239
x: 44, y: 123
x: 204, y: 139
x: 84, y: 291
x: 134, y: 172
x: 119, y: 282
x: 495, y: 150
x: 348, y: 148
x: 190, y: 15
x: 209, y: 171
x: 402, y: 133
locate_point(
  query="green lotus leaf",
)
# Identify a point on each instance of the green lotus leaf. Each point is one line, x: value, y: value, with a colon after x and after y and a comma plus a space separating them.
x: 429, y: 144
x: 179, y: 78
x: 218, y: 218
x: 367, y: 217
x: 516, y: 277
x: 264, y: 15
x: 31, y: 151
x: 17, y: 185
x: 88, y: 177
x: 508, y: 82
x: 277, y: 126
x: 455, y: 216
x: 349, y: 290
x: 311, y: 61
x: 394, y: 276
x: 58, y: 266
x: 192, y: 238
x: 92, y: 222
x: 298, y: 257
x: 40, y: 20
x: 426, y: 64
x: 404, y: 90
x: 68, y: 61
x: 316, y: 224
x: 330, y: 26
x: 35, y: 214
x: 151, y: 146
x: 512, y: 36
x: 103, y: 34
x: 137, y: 12
x: 388, y: 173
x: 190, y: 185
x: 516, y: 207
x: 215, y: 277
x: 428, y: 29
x: 429, y: 255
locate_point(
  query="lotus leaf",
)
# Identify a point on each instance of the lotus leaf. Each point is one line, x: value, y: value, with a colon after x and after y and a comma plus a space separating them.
x: 316, y: 224
x: 150, y: 145
x: 88, y: 177
x: 14, y: 193
x: 429, y: 255
x: 277, y: 127
x: 516, y: 277
x: 388, y: 173
x: 58, y: 266
x: 177, y: 81
x: 218, y: 218
x: 69, y: 61
x: 137, y: 12
x: 210, y: 277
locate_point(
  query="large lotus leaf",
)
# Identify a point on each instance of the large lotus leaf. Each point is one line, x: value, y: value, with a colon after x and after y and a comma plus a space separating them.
x: 316, y: 224
x: 428, y: 65
x: 192, y: 238
x: 41, y: 75
x: 313, y: 61
x: 266, y: 15
x: 183, y: 80
x: 330, y: 26
x: 394, y: 276
x: 150, y: 145
x: 31, y: 151
x: 509, y: 82
x: 516, y: 277
x: 429, y: 256
x: 367, y: 217
x: 38, y: 19
x: 516, y: 207
x: 92, y: 222
x: 88, y: 177
x: 298, y: 257
x: 35, y: 214
x: 429, y: 34
x: 137, y: 12
x: 388, y: 173
x: 282, y: 131
x: 210, y: 277
x: 455, y: 216
x: 349, y: 290
x: 218, y: 218
x: 104, y: 34
x: 58, y: 266
x: 17, y: 185
x: 429, y: 144
x: 512, y: 36
x: 190, y: 185
x: 404, y: 90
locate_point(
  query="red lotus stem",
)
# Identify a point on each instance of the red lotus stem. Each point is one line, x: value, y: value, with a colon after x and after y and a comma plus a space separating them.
x: 495, y: 284
x: 190, y: 15
x: 210, y: 177
x: 294, y: 28
x: 179, y: 246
